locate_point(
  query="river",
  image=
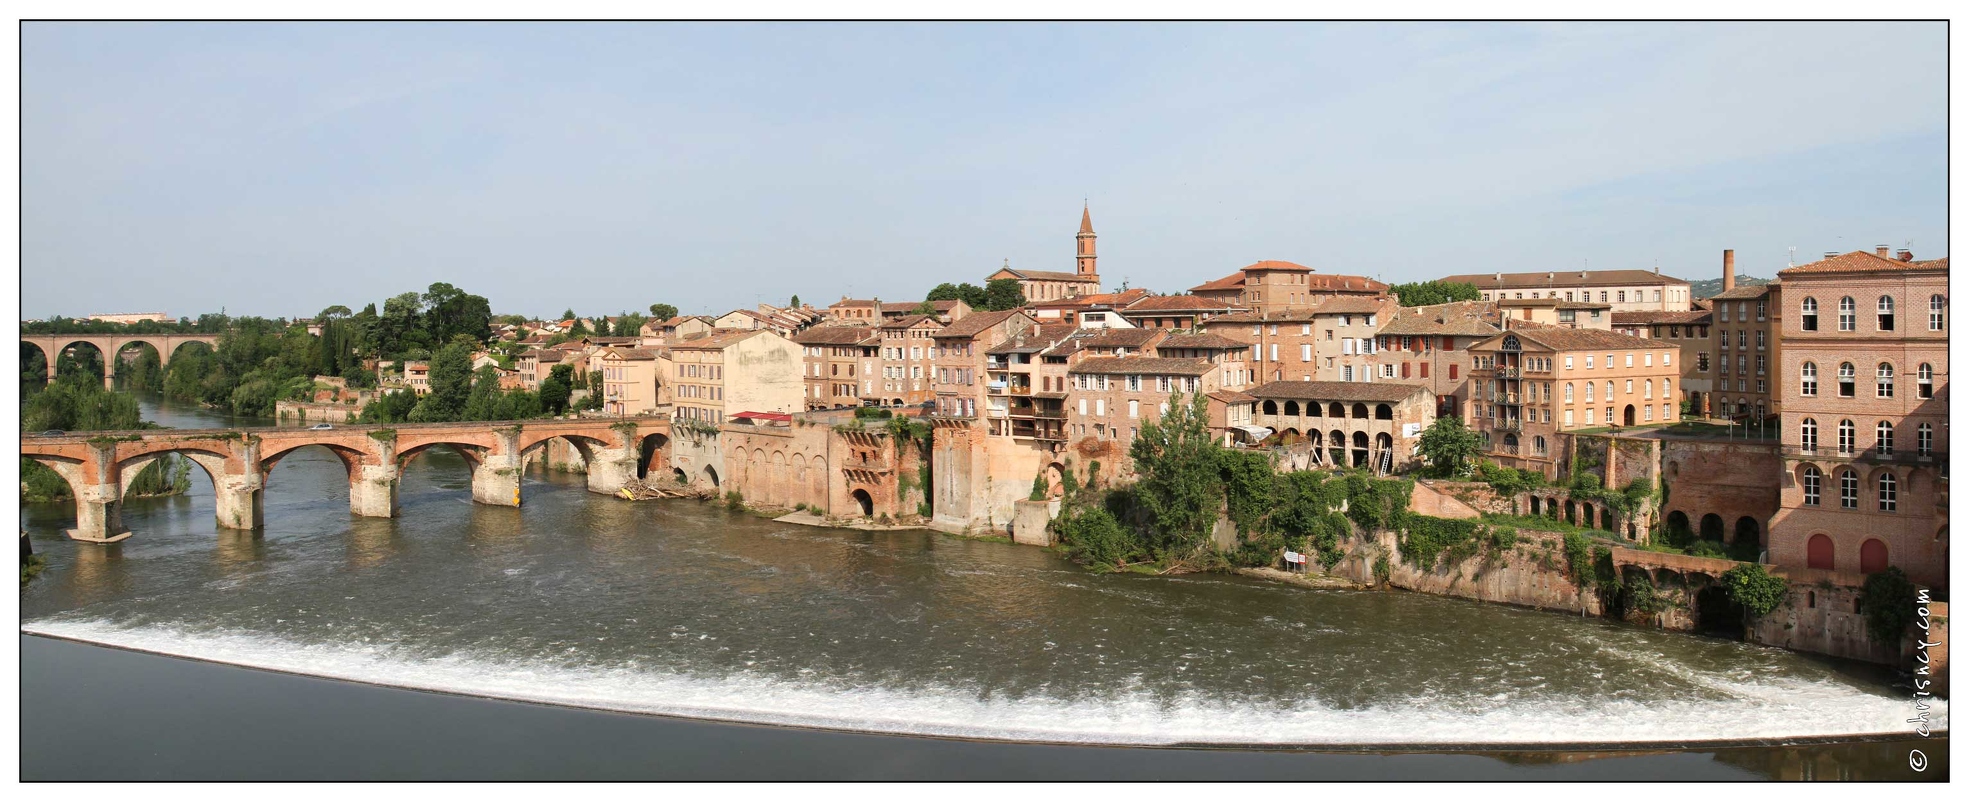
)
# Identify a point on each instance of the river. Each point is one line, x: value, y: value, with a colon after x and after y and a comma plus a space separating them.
x: 684, y: 609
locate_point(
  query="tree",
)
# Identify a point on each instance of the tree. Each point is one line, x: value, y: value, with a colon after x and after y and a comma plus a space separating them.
x: 1450, y: 446
x: 926, y: 308
x: 555, y: 389
x: 451, y: 384
x: 567, y: 315
x: 1426, y: 293
x: 1001, y: 294
x: 1181, y: 484
x: 795, y: 303
x: 332, y: 312
x: 628, y: 324
x: 483, y: 404
x: 662, y: 311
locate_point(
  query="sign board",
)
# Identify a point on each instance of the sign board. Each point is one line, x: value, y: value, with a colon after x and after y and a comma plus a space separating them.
x: 1411, y: 430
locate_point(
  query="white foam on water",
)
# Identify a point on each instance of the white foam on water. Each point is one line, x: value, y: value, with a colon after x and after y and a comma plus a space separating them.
x: 1778, y: 708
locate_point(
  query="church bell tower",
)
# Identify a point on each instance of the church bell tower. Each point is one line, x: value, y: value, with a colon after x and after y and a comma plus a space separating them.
x: 1085, y: 240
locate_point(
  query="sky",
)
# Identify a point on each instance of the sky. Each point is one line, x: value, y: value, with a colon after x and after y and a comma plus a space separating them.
x: 277, y: 169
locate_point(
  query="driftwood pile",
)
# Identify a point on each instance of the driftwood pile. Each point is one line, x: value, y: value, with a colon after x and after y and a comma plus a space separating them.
x: 638, y: 490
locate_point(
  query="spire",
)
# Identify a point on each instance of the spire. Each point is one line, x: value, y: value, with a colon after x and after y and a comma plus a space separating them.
x: 1086, y: 222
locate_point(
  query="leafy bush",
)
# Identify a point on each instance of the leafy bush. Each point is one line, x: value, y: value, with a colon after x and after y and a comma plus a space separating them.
x: 1755, y: 588
x: 1095, y: 539
x: 1887, y: 600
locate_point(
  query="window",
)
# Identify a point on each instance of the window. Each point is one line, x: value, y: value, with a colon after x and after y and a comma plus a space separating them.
x: 1648, y: 412
x: 1305, y: 329
x: 1936, y: 304
x: 1610, y: 391
x: 1924, y: 441
x: 1845, y: 437
x: 1808, y: 314
x: 1883, y: 438
x: 1924, y: 381
x: 1885, y: 313
x: 1846, y: 378
x: 1589, y: 361
x: 1702, y: 362
x: 1811, y: 483
x: 1568, y: 418
x: 1648, y: 360
x: 1306, y: 352
x: 1848, y: 314
x: 1808, y: 379
x: 1589, y: 392
x: 1134, y: 383
x: 1629, y: 387
x: 1760, y: 367
x: 1808, y: 435
x: 1888, y: 494
x: 1568, y: 392
x: 1628, y: 363
x: 1883, y: 381
x: 1134, y: 408
x: 1849, y: 489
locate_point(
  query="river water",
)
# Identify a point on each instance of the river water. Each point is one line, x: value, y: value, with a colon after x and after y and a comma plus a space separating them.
x: 682, y: 608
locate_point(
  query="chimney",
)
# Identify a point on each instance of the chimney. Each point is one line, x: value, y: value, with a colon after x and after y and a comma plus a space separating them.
x: 1905, y: 255
x: 1880, y: 251
x: 1729, y: 269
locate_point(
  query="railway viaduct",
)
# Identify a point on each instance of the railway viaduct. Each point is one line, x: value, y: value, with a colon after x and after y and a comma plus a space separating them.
x: 166, y: 345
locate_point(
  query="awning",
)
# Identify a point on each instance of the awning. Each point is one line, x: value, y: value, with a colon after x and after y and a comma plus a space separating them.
x: 1256, y: 433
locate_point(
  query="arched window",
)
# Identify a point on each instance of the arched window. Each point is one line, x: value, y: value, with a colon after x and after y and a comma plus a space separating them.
x: 1885, y: 310
x: 1808, y: 434
x: 1888, y: 495
x: 1811, y: 483
x: 1924, y: 381
x: 1846, y: 379
x: 1849, y: 489
x: 1818, y: 553
x: 1808, y: 379
x: 1589, y: 391
x: 1610, y: 387
x: 1568, y: 392
x: 1808, y: 314
x: 1538, y: 445
x: 1883, y: 438
x: 1848, y: 314
x: 1936, y: 305
x: 1292, y: 408
x: 1873, y: 556
x: 1924, y: 440
x: 1883, y: 381
x: 1846, y: 433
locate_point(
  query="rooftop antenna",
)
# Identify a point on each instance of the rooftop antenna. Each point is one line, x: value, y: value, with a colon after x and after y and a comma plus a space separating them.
x: 1791, y: 256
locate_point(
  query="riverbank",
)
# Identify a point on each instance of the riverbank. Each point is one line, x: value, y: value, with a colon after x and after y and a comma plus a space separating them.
x: 182, y: 719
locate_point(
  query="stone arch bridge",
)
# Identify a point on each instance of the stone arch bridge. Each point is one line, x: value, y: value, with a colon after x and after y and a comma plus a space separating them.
x: 99, y: 466
x: 166, y: 345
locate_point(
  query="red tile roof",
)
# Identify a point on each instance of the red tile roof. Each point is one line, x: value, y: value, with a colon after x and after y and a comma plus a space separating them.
x: 1159, y: 303
x: 976, y: 323
x: 1337, y: 391
x: 1562, y: 278
x: 1231, y: 282
x: 1861, y: 262
x: 1141, y: 364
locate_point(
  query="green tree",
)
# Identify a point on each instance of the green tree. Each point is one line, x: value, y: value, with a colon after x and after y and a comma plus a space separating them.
x: 451, y: 385
x: 795, y: 303
x: 1425, y: 293
x: 1450, y: 447
x: 1001, y: 294
x: 1755, y: 588
x: 1888, y: 600
x: 555, y: 389
x: 567, y: 315
x: 1181, y: 485
x: 483, y: 403
x: 662, y: 312
x: 926, y: 308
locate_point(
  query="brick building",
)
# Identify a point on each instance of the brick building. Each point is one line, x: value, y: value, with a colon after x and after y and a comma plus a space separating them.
x: 1049, y: 285
x: 1333, y: 340
x: 1623, y: 290
x: 960, y: 364
x: 833, y: 364
x: 1688, y: 331
x: 908, y: 360
x: 631, y: 381
x: 1430, y: 346
x: 1864, y: 389
x: 1531, y: 382
x: 1347, y: 424
x: 735, y: 370
x: 1272, y: 286
x: 1173, y: 311
x: 1111, y: 397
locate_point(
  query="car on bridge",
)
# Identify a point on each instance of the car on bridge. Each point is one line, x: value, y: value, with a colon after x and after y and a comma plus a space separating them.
x: 320, y: 427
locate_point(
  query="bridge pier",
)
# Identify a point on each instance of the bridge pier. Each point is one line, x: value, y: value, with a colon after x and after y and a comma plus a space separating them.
x: 610, y: 469
x: 99, y: 513
x: 241, y: 501
x: 496, y: 480
x: 373, y: 490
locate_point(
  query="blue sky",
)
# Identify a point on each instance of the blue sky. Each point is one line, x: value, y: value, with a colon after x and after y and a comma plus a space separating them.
x: 278, y: 169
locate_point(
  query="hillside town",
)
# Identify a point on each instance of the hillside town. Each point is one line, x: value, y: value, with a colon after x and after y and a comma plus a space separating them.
x: 1800, y: 420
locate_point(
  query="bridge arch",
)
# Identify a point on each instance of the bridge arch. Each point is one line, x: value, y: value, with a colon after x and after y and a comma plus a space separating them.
x: 653, y: 453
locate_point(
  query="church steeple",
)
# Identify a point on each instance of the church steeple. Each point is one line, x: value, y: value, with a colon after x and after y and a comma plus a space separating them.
x: 1085, y: 241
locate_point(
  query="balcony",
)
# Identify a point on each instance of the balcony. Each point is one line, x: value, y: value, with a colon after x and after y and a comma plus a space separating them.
x: 1509, y: 398
x: 1509, y: 371
x: 1509, y: 425
x: 1868, y: 455
x: 875, y: 464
